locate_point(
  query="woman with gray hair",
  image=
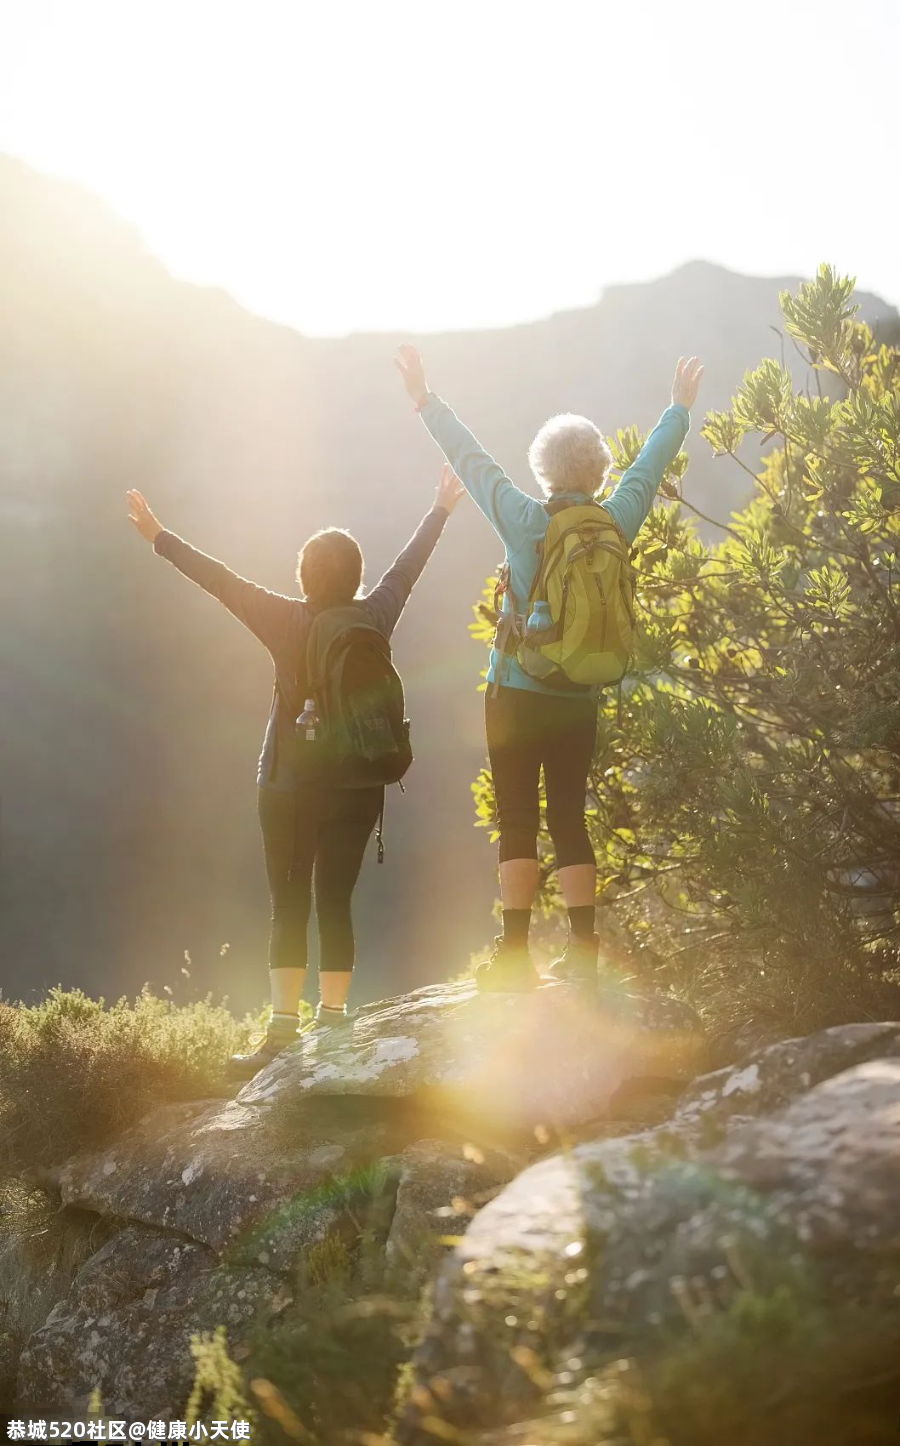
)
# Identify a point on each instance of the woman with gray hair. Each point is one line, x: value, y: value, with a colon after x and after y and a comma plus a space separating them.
x: 534, y: 723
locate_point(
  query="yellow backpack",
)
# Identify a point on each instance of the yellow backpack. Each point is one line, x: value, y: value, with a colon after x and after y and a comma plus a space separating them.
x: 579, y: 627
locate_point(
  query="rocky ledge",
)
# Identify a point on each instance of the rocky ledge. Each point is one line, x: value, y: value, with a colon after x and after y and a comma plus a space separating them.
x: 395, y: 1129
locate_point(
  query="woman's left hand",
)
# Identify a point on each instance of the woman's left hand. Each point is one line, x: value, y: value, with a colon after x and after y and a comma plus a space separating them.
x: 688, y: 375
x: 142, y: 518
x: 449, y: 489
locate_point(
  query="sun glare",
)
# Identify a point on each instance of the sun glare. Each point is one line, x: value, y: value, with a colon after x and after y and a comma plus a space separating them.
x: 350, y: 167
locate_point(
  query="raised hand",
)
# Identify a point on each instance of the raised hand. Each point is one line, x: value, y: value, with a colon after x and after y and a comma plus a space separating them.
x: 409, y: 365
x: 143, y: 519
x: 449, y: 489
x: 686, y: 383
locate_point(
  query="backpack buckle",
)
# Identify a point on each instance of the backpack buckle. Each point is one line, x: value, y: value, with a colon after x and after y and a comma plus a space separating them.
x: 508, y: 633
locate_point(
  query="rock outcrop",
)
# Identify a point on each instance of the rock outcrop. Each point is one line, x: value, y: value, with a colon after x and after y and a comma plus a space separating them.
x: 590, y: 1243
x: 393, y: 1132
x: 731, y: 1275
x: 506, y: 1062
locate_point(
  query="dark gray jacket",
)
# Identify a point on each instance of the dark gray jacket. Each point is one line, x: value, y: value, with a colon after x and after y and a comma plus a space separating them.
x: 282, y: 625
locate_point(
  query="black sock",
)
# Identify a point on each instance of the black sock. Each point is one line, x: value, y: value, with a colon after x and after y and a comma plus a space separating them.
x: 516, y: 923
x: 581, y: 923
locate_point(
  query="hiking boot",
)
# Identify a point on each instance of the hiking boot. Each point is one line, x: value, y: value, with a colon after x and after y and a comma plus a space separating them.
x: 578, y: 963
x: 325, y: 1018
x: 245, y: 1066
x: 510, y: 970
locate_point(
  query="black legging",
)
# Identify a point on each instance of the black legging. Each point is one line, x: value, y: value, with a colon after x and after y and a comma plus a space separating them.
x: 524, y: 731
x: 323, y: 832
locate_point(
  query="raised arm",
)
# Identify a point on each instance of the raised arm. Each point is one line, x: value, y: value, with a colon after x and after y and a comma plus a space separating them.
x: 266, y: 614
x: 387, y: 601
x: 509, y: 510
x: 632, y: 499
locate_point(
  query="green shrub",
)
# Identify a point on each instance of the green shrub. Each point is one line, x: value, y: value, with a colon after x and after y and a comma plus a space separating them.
x: 327, y: 1368
x: 328, y: 1260
x: 745, y: 795
x: 333, y: 1358
x: 74, y: 1071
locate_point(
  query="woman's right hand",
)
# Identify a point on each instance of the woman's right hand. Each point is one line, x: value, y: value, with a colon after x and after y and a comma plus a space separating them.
x: 409, y: 365
x: 143, y: 519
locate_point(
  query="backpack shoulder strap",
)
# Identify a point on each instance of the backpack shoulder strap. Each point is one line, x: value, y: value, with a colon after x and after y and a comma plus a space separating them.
x: 629, y: 546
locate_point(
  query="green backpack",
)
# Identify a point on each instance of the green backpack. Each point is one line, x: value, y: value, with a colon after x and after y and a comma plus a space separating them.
x: 586, y: 582
x: 362, y: 735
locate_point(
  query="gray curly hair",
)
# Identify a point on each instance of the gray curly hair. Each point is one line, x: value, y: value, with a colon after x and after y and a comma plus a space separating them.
x: 569, y: 455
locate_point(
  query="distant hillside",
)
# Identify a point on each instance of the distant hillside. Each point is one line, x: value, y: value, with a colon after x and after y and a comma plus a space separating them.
x: 131, y: 707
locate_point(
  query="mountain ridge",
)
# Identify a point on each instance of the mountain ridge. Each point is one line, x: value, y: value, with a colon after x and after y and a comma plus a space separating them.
x: 131, y: 710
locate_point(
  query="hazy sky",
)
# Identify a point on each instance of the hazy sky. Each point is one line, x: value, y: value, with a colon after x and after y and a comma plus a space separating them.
x: 450, y: 163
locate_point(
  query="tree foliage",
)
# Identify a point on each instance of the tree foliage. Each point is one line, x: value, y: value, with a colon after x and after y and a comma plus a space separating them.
x: 746, y: 795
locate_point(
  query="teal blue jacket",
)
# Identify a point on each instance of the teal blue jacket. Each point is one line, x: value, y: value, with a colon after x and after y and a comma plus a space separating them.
x: 521, y: 521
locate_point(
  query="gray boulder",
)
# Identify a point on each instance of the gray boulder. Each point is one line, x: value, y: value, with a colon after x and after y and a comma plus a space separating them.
x: 440, y: 1189
x: 770, y: 1077
x: 41, y: 1248
x: 744, y: 1292
x: 215, y: 1174
x: 125, y: 1327
x: 508, y: 1062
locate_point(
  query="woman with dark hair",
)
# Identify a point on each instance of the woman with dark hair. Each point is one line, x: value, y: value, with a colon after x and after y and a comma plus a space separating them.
x: 310, y: 830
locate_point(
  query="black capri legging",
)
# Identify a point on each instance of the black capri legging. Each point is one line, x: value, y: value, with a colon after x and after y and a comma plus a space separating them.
x: 526, y: 731
x: 315, y: 834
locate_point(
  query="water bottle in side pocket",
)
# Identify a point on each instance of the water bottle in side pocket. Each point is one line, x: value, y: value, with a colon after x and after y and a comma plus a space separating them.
x: 307, y: 725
